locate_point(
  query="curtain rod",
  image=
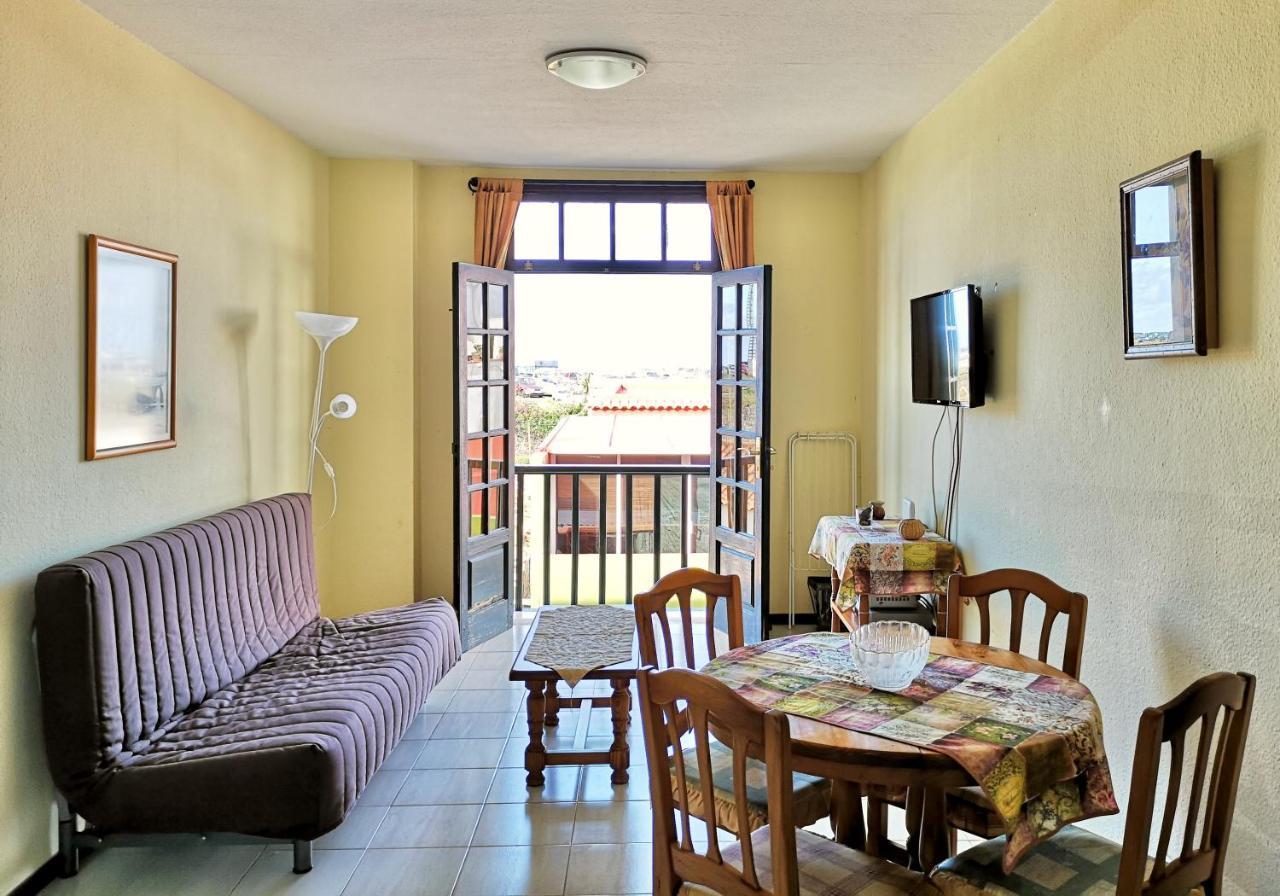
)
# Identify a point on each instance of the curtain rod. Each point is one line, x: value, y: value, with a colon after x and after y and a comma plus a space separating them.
x: 474, y: 182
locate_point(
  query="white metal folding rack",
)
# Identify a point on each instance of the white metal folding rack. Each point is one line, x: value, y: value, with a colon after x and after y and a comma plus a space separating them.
x: 824, y: 506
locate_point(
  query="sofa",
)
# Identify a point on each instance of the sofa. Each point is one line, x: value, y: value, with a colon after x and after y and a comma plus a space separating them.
x: 190, y: 684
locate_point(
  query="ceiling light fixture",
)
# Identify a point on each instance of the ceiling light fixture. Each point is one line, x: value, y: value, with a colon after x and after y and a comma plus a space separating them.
x: 596, y: 69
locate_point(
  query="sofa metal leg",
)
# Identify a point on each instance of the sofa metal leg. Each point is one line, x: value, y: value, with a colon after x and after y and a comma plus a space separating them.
x: 301, y: 856
x: 68, y: 852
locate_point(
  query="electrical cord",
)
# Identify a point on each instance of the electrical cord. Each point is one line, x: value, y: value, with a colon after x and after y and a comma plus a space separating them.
x: 933, y: 478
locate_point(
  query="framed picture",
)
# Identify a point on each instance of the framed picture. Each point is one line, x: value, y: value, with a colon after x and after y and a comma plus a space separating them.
x: 130, y: 345
x: 1170, y: 265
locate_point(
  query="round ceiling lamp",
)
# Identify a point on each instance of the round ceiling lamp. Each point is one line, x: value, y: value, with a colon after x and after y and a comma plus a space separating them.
x: 596, y: 69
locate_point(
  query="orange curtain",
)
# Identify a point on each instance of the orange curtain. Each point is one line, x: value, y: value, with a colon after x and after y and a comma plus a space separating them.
x: 497, y: 200
x: 732, y: 222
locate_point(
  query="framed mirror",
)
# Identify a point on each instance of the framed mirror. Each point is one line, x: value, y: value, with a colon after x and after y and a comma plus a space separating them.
x: 1170, y: 276
x: 130, y: 345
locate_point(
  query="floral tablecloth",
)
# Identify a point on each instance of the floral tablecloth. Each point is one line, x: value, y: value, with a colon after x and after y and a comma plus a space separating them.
x: 1033, y: 743
x: 877, y: 560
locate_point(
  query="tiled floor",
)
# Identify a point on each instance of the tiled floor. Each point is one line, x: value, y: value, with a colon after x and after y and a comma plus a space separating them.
x: 448, y: 813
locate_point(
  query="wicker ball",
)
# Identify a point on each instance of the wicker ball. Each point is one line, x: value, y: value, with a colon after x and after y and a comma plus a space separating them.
x: 911, y: 530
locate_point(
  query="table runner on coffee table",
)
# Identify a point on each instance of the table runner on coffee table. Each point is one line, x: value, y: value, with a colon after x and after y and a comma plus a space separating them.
x: 877, y: 560
x: 1033, y: 743
x: 573, y: 640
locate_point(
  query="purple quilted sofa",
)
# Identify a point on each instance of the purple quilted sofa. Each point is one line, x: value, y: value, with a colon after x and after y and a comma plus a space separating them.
x: 190, y: 684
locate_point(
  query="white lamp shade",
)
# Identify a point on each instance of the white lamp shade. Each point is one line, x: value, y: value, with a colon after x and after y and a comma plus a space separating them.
x: 325, y: 327
x: 343, y: 406
x: 596, y: 69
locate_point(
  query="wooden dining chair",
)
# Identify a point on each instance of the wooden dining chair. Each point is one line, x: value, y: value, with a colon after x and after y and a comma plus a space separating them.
x: 1090, y: 864
x: 776, y: 860
x: 658, y: 648
x: 968, y: 808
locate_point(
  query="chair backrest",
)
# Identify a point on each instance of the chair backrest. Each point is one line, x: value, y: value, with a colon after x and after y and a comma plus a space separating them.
x: 743, y: 728
x: 1212, y: 794
x: 652, y: 621
x: 1021, y: 584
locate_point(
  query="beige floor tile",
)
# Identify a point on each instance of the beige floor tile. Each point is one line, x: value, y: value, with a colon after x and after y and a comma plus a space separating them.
x: 421, y: 826
x: 423, y: 726
x: 438, y: 699
x: 403, y: 755
x: 506, y: 641
x: 597, y: 787
x: 513, y: 871
x: 426, y: 787
x: 513, y: 753
x: 517, y: 824
x: 356, y: 830
x: 456, y: 725
x: 489, y: 680
x: 561, y: 786
x: 383, y: 787
x: 609, y: 868
x: 272, y: 874
x: 406, y: 872
x: 478, y: 753
x: 201, y: 869
x: 494, y: 659
x: 501, y: 700
x: 620, y: 822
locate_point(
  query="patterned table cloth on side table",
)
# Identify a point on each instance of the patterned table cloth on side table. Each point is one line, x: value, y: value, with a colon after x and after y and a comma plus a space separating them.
x: 1033, y: 743
x: 876, y: 560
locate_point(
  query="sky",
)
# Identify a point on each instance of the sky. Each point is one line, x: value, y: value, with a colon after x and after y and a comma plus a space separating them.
x: 614, y: 323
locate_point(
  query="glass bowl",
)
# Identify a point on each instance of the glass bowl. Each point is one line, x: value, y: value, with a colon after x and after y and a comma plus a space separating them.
x: 890, y: 654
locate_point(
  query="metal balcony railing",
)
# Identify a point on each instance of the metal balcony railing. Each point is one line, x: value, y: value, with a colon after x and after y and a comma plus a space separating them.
x: 600, y: 533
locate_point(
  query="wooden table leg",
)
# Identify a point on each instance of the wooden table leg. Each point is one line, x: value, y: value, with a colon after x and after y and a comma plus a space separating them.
x: 864, y: 609
x: 877, y: 827
x: 620, y: 712
x: 846, y: 814
x: 552, y: 717
x: 933, y: 842
x: 535, y: 754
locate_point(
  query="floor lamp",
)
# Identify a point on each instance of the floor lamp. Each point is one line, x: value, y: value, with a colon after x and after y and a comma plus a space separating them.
x: 325, y: 329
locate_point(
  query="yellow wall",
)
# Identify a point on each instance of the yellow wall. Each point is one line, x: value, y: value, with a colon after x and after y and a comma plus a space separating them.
x: 371, y: 275
x: 1152, y: 486
x: 100, y: 134
x: 806, y: 227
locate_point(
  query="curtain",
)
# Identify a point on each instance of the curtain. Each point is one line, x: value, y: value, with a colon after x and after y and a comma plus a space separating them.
x: 497, y: 200
x: 732, y: 222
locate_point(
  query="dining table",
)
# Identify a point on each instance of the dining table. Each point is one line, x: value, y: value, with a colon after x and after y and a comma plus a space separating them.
x: 773, y: 674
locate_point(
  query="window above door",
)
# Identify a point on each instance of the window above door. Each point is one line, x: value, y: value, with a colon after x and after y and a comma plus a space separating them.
x: 632, y: 227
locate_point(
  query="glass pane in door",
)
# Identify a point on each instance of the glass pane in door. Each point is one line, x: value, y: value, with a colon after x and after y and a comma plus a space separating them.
x: 496, y: 311
x: 475, y: 305
x: 729, y: 407
x: 475, y: 357
x: 475, y: 409
x: 497, y: 357
x: 497, y: 407
x: 728, y: 357
x: 728, y: 307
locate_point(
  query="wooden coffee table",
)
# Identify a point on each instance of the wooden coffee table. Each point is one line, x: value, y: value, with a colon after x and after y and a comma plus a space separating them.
x: 544, y: 704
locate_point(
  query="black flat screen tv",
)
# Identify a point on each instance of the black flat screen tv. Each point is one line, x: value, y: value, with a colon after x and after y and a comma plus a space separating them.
x: 948, y: 359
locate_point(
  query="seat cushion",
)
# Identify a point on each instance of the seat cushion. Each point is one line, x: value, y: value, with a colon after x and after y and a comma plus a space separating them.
x: 828, y: 869
x: 1073, y: 862
x: 812, y: 795
x: 969, y: 810
x: 285, y: 750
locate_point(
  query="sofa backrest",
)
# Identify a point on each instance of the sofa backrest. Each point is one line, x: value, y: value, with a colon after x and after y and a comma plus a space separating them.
x: 131, y: 637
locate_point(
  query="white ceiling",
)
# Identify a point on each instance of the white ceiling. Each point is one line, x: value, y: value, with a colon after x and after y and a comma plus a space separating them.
x: 757, y: 84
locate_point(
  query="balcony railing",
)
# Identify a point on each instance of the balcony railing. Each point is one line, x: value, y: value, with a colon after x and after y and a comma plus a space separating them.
x: 600, y: 533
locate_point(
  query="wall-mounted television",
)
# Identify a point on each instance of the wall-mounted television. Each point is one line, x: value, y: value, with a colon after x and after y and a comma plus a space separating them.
x: 948, y: 358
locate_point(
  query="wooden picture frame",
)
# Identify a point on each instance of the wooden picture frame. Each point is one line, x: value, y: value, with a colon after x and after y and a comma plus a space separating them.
x: 1170, y: 260
x: 130, y: 348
